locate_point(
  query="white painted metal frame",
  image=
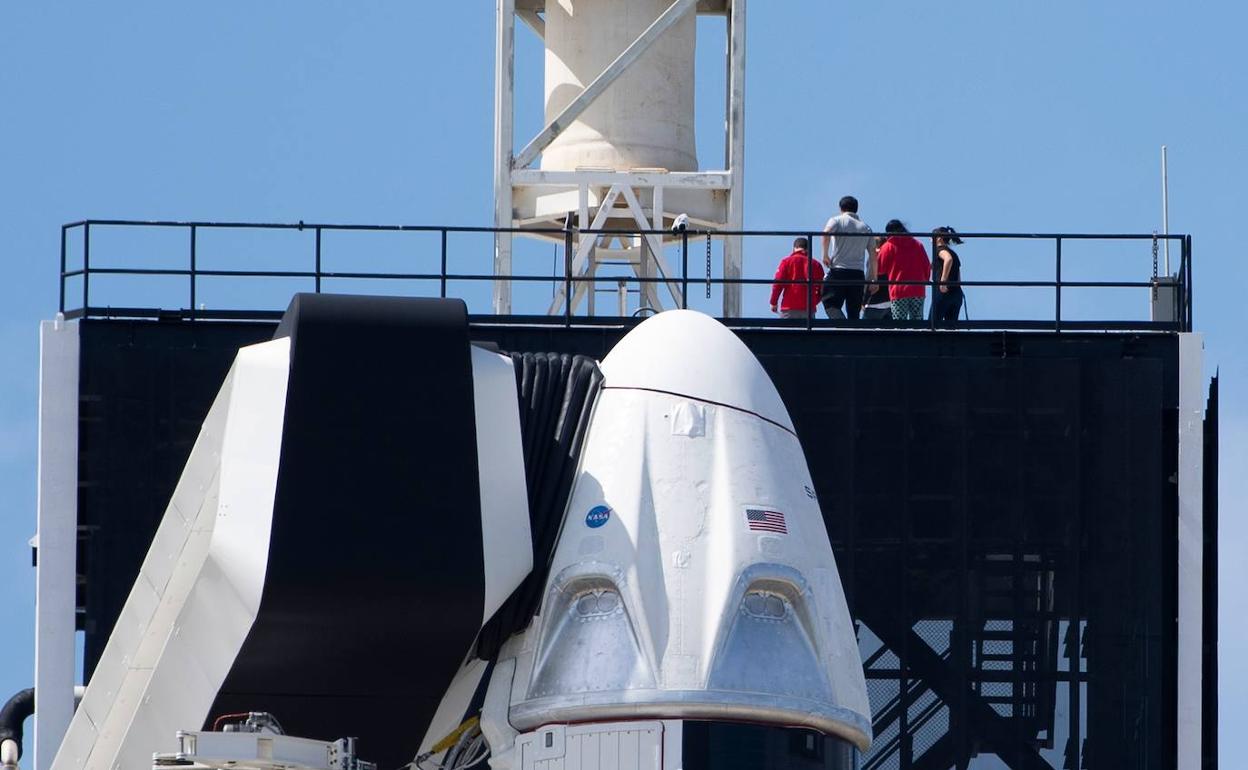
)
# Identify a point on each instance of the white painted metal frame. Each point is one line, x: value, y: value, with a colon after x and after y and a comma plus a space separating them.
x: 57, y: 537
x: 582, y: 264
x: 1190, y: 684
x: 513, y: 178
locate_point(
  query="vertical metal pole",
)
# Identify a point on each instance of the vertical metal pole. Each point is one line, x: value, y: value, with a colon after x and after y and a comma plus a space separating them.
x: 1187, y: 248
x: 960, y: 640
x: 930, y: 287
x: 444, y: 263
x: 1165, y: 205
x: 86, y: 265
x: 504, y: 139
x: 1074, y: 655
x: 1180, y: 290
x: 935, y: 289
x: 317, y: 277
x: 62, y: 300
x: 1057, y: 288
x: 684, y: 269
x: 735, y: 158
x: 193, y: 239
x: 567, y: 276
x: 810, y: 283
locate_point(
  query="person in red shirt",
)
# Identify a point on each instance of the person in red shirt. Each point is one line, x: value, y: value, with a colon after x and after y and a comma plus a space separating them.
x: 792, y: 300
x: 903, y: 258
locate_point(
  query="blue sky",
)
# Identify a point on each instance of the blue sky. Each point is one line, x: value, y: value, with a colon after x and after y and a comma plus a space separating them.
x: 980, y: 114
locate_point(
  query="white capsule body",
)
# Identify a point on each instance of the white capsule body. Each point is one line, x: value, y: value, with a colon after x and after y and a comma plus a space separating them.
x: 645, y: 119
x: 693, y: 577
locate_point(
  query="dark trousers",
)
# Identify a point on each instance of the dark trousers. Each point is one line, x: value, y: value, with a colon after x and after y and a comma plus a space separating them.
x: 847, y: 294
x: 946, y: 306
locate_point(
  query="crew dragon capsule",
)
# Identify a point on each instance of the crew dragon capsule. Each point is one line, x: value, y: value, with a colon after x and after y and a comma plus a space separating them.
x: 693, y: 577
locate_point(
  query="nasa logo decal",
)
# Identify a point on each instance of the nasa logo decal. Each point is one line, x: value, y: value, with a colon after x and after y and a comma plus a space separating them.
x: 597, y: 516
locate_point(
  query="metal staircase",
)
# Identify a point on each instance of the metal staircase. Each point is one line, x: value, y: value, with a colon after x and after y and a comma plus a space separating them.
x: 1003, y: 667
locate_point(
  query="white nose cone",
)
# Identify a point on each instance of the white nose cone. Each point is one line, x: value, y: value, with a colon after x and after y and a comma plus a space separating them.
x: 687, y: 353
x: 693, y: 577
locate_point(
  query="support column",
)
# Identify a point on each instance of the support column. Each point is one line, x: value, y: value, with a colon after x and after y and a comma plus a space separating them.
x: 56, y: 538
x: 735, y: 155
x: 504, y: 116
x: 1189, y: 692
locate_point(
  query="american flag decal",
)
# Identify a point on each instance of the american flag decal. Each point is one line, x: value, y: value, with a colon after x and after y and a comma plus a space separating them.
x: 760, y: 520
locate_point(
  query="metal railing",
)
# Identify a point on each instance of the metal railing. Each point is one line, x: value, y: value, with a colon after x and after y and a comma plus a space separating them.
x: 1178, y: 286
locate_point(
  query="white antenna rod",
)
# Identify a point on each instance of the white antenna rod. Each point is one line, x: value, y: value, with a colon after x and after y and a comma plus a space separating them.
x: 1165, y: 206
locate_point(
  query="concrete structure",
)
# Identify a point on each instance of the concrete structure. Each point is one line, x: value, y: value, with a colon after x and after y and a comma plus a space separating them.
x: 618, y: 149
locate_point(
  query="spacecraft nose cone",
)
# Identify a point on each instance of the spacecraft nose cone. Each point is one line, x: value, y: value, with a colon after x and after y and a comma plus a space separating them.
x: 687, y: 353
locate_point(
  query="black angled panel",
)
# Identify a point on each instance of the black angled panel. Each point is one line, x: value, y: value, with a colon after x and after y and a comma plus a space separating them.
x: 374, y: 590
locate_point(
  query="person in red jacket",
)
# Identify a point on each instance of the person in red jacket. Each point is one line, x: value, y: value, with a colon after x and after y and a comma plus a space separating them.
x: 903, y: 258
x: 792, y: 300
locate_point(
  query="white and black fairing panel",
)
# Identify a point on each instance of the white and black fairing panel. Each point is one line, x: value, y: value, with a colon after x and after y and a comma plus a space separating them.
x: 557, y: 392
x: 334, y: 545
x: 376, y: 579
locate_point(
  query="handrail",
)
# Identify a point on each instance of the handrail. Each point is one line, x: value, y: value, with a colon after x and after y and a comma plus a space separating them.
x: 1182, y: 285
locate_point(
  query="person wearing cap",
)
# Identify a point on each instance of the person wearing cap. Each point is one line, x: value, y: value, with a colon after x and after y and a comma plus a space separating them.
x: 947, y: 297
x: 849, y: 256
x: 798, y: 279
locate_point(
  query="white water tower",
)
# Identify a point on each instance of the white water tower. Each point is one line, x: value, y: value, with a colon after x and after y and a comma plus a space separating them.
x: 618, y: 151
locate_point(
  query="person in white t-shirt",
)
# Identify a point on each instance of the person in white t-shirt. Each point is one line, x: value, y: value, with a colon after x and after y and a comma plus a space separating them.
x: 849, y: 256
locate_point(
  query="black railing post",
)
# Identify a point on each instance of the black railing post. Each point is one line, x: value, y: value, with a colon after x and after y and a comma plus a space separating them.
x: 1057, y: 287
x: 1180, y: 288
x: 86, y: 265
x: 931, y: 305
x: 442, y: 288
x: 931, y: 279
x: 684, y: 269
x: 567, y: 276
x: 1187, y: 252
x: 192, y: 276
x: 63, y: 233
x: 316, y: 279
x: 810, y: 282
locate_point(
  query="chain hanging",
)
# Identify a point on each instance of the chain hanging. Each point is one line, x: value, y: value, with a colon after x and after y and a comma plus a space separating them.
x: 1154, y: 266
x: 708, y: 265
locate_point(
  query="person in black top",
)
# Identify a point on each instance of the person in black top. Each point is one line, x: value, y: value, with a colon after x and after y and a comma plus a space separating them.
x: 875, y: 302
x: 946, y: 275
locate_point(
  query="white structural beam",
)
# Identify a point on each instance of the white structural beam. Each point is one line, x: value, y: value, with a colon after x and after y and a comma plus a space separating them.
x: 1190, y: 684
x: 56, y: 538
x: 535, y: 22
x: 735, y: 152
x: 705, y: 7
x: 580, y: 261
x: 504, y: 119
x: 693, y: 180
x: 674, y: 13
x: 655, y: 246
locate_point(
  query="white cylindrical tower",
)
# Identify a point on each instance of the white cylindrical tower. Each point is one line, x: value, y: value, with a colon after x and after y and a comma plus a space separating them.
x: 645, y: 119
